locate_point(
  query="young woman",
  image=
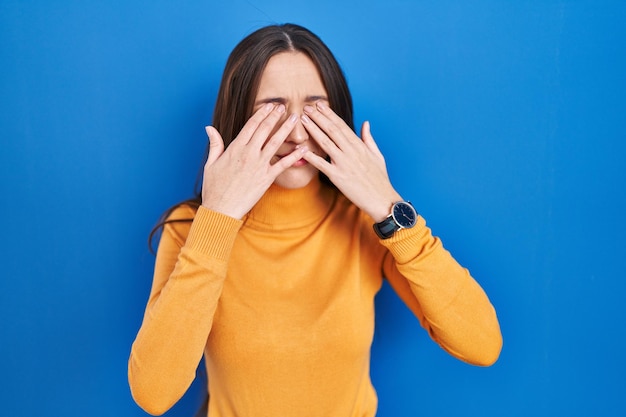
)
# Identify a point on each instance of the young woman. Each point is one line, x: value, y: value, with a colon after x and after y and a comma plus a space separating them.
x: 271, y: 271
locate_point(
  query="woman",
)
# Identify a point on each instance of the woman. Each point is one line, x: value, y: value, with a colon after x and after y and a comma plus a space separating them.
x: 271, y: 272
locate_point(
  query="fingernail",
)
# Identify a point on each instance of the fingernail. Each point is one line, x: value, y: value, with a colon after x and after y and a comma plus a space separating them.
x: 268, y: 106
x: 293, y: 118
x: 281, y: 108
x: 308, y: 109
x: 321, y: 105
x: 304, y: 149
x: 305, y: 118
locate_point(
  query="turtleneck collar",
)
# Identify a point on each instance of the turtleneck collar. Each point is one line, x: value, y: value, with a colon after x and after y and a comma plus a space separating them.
x: 283, y: 208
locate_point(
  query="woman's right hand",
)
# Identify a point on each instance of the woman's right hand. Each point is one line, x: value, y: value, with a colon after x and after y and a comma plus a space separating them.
x: 236, y: 178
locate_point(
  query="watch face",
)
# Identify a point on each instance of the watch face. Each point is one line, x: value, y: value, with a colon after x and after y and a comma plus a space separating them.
x: 404, y: 214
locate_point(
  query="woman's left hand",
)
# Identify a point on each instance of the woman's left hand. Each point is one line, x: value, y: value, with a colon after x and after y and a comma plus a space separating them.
x: 356, y: 167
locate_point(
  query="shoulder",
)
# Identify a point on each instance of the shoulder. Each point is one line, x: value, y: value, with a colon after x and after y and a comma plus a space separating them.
x: 183, y: 212
x: 177, y: 224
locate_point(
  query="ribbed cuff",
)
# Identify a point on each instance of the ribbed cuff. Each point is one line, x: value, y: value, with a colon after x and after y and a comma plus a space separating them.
x: 213, y: 233
x: 404, y: 242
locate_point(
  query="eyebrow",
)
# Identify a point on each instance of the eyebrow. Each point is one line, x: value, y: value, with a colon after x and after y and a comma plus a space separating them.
x: 282, y: 100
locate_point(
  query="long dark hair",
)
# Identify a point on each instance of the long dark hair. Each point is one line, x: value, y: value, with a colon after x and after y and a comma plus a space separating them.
x: 240, y: 83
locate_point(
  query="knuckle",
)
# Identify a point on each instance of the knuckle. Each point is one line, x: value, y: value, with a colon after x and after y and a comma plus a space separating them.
x: 273, y: 142
x: 332, y: 130
x: 268, y: 123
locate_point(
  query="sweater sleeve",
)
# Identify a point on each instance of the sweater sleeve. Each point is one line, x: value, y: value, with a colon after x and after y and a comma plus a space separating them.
x: 448, y: 302
x: 189, y: 272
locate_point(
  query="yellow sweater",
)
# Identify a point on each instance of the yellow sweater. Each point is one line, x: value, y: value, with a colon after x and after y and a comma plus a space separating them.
x: 282, y: 307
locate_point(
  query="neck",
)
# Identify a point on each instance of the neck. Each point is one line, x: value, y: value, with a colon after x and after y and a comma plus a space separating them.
x: 284, y: 208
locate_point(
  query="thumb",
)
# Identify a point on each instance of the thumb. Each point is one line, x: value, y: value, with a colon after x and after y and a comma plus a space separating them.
x: 216, y: 144
x: 368, y: 139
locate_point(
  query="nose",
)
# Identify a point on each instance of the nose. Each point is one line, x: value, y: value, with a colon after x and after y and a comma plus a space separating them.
x: 298, y: 134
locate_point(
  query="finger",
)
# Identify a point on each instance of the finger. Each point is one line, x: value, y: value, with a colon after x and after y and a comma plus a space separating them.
x: 267, y: 126
x: 320, y: 163
x: 328, y: 146
x: 333, y: 132
x: 216, y: 144
x: 288, y: 160
x: 253, y: 123
x: 333, y: 125
x: 277, y: 139
x: 368, y: 139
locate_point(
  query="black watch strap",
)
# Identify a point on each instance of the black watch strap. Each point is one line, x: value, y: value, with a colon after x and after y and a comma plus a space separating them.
x: 403, y: 215
x: 386, y: 228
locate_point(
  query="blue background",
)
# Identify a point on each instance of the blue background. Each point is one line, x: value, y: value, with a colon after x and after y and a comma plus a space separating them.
x: 504, y: 122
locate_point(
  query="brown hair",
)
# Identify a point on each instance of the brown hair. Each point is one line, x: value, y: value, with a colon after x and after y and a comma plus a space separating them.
x: 240, y: 83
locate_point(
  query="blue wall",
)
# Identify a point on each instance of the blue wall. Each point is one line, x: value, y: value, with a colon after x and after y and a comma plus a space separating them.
x: 503, y: 121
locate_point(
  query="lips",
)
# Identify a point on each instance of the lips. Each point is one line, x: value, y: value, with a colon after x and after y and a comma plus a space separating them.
x: 300, y: 162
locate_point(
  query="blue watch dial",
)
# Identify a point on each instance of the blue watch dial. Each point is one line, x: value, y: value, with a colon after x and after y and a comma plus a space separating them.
x: 404, y: 214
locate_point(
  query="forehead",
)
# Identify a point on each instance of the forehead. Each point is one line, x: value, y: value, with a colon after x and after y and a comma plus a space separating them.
x: 290, y: 73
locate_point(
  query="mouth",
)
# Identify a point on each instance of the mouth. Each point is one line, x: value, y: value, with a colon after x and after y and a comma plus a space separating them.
x: 300, y: 162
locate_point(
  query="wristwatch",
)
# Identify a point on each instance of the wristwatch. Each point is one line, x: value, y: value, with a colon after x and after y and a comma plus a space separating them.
x: 403, y: 216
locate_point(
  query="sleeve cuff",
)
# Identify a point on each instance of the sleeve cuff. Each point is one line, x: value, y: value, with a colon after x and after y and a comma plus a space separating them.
x: 404, y: 242
x: 213, y: 233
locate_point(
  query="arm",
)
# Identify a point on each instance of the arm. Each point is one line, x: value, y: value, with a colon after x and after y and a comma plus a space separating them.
x: 190, y: 270
x: 443, y: 295
x: 449, y: 303
x: 188, y: 277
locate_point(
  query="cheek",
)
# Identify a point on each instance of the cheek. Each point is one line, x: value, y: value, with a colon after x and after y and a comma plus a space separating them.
x: 316, y: 149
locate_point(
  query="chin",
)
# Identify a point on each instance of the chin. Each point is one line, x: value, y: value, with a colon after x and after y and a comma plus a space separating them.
x: 296, y: 178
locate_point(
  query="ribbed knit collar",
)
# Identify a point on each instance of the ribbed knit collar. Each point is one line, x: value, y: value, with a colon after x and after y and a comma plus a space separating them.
x: 282, y: 208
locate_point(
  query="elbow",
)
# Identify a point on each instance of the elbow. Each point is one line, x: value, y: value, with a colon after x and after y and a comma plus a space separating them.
x: 480, y: 348
x: 150, y: 397
x: 149, y: 403
x: 488, y: 350
x: 490, y: 353
x: 495, y: 342
x: 487, y: 341
x: 497, y: 349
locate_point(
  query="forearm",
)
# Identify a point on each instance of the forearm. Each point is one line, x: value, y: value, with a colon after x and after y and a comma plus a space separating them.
x: 179, y: 316
x: 459, y: 314
x: 450, y: 303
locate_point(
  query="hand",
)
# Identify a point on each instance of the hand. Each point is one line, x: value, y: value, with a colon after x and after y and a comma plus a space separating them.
x: 236, y: 178
x: 356, y: 167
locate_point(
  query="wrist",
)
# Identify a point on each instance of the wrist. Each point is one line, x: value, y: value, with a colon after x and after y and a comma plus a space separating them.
x: 403, y: 216
x: 382, y: 210
x: 225, y: 208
